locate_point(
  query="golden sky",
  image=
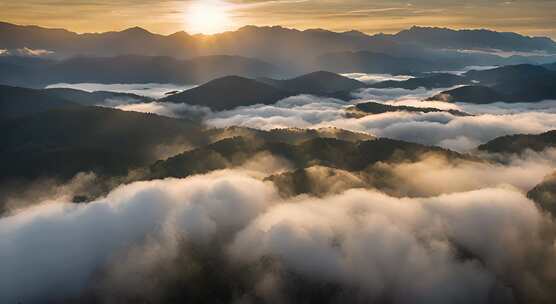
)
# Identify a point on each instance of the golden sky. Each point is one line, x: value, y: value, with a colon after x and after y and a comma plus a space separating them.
x: 532, y: 17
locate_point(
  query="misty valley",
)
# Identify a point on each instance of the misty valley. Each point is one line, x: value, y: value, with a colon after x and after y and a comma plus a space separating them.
x: 276, y: 165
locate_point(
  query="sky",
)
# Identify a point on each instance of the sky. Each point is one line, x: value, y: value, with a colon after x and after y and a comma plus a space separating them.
x: 531, y: 17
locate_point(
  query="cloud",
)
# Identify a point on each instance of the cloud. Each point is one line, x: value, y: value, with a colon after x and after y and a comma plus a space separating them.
x: 435, y: 174
x: 52, y: 251
x: 299, y: 111
x: 437, y: 128
x: 406, y: 250
x: 470, y: 238
x: 175, y: 110
x: 374, y: 78
x: 446, y: 130
x: 153, y: 90
x: 26, y: 52
x: 546, y: 106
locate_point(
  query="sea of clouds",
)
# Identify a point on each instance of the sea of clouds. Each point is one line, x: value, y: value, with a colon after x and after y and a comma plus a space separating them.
x: 153, y: 90
x: 474, y: 243
x: 460, y: 133
x: 453, y: 231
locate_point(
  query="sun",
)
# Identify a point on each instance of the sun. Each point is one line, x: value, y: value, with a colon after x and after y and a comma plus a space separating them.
x: 207, y: 17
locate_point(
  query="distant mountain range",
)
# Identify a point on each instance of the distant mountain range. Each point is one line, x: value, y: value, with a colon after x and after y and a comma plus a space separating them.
x: 293, y: 50
x: 519, y: 83
x: 434, y: 37
x: 514, y: 83
x: 128, y: 69
x: 372, y: 62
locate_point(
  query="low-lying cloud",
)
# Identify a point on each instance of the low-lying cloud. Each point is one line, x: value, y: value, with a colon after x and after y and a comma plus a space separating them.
x: 175, y: 110
x: 483, y: 246
x: 461, y: 133
x: 374, y: 78
x: 153, y: 90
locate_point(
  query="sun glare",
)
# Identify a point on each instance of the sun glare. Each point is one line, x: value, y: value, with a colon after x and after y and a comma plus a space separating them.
x: 207, y: 17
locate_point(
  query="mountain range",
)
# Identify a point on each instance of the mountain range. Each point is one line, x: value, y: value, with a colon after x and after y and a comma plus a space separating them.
x: 35, y: 72
x: 306, y: 50
x: 519, y: 83
x: 512, y: 83
x: 480, y: 39
x: 230, y: 92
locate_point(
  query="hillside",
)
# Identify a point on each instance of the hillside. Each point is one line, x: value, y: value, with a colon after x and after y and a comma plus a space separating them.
x: 367, y: 108
x: 16, y: 101
x: 62, y: 142
x: 330, y: 152
x: 520, y: 142
x: 544, y: 194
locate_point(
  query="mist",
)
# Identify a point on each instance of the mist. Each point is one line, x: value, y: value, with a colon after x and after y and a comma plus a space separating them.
x: 153, y: 90
x: 374, y: 78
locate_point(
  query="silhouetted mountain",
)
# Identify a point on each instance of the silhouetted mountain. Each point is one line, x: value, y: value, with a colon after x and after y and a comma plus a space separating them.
x: 16, y: 102
x: 232, y: 91
x: 371, y: 62
x: 518, y: 83
x: 520, y: 143
x: 62, y: 142
x: 250, y: 41
x: 365, y: 108
x: 509, y: 75
x: 67, y: 44
x: 470, y: 94
x: 544, y: 194
x: 96, y: 97
x: 473, y: 39
x: 550, y: 66
x: 317, y: 83
x: 297, y: 51
x: 132, y: 69
x: 229, y: 92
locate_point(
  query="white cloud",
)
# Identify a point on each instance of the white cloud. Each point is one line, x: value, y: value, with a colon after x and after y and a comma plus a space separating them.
x: 374, y: 78
x: 438, y: 128
x: 153, y: 90
x: 372, y: 245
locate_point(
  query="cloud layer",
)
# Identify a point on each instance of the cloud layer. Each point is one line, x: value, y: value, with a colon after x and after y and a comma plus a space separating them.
x: 442, y: 129
x: 483, y: 246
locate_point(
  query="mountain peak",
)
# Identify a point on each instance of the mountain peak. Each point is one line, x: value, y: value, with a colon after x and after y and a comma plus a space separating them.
x: 355, y: 33
x: 180, y: 34
x: 136, y: 30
